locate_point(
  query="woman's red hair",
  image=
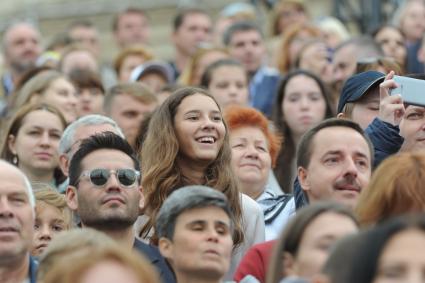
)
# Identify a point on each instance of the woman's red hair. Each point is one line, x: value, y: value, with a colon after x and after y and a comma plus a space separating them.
x: 240, y: 116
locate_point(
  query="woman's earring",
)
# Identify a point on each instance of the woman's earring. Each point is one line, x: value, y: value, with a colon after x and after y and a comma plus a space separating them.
x: 15, y: 159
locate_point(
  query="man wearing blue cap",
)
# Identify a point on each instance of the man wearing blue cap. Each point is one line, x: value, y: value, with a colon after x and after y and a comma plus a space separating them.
x: 365, y: 100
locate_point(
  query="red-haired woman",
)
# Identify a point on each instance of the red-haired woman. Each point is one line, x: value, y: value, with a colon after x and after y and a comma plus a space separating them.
x: 254, y: 152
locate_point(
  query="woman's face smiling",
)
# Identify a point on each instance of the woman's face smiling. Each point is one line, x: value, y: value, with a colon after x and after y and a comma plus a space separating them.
x: 199, y: 129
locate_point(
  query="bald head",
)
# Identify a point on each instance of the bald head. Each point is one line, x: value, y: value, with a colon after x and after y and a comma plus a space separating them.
x: 21, y: 47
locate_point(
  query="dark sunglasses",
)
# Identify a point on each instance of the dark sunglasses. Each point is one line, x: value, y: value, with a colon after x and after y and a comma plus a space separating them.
x: 99, y: 177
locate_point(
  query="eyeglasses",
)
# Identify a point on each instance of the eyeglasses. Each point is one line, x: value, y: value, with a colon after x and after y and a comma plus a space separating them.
x: 99, y: 177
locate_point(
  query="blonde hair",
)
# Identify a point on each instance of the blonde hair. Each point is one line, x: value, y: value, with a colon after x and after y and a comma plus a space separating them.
x: 68, y: 243
x: 44, y: 194
x: 64, y: 272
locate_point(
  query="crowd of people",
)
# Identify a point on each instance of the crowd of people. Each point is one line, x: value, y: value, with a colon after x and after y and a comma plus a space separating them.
x: 250, y: 156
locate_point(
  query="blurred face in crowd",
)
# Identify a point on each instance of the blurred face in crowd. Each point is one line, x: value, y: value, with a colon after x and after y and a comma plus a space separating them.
x: 128, y: 65
x: 289, y: 15
x: 251, y: 160
x: 129, y: 112
x: 16, y: 215
x: 154, y: 80
x: 21, y: 47
x: 90, y: 101
x: 344, y: 64
x: 392, y: 43
x: 86, y: 36
x: 366, y: 109
x: 49, y: 221
x: 109, y: 271
x: 403, y: 258
x: 314, y: 58
x: 303, y: 105
x: 339, y: 167
x: 412, y: 21
x: 109, y: 206
x: 199, y: 130
x: 248, y: 48
x: 132, y: 28
x: 412, y: 128
x: 229, y: 85
x: 202, y: 244
x: 36, y: 143
x: 62, y: 94
x: 79, y: 60
x: 206, y: 60
x: 195, y: 29
x: 317, y: 241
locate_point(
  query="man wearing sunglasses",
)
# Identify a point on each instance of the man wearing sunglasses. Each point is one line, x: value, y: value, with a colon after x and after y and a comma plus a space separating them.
x: 104, y: 189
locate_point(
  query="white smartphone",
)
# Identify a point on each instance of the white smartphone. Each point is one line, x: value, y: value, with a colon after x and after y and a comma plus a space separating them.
x: 411, y: 90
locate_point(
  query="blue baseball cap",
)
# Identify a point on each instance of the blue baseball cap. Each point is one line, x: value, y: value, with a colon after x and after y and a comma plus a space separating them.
x: 358, y: 85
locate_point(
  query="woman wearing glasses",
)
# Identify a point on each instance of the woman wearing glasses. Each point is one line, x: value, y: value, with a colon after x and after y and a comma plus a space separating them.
x: 31, y: 142
x: 187, y: 143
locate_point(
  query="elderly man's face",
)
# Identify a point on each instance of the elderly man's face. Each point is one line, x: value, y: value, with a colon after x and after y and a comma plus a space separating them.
x: 202, y: 243
x: 16, y: 215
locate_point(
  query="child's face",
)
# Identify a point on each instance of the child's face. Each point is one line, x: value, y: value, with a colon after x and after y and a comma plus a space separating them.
x: 48, y: 222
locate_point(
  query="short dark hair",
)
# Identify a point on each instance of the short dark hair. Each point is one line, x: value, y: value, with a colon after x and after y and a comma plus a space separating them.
x: 240, y: 27
x: 305, y: 146
x: 107, y: 140
x: 181, y: 15
x: 129, y: 10
x: 208, y: 73
x: 187, y: 198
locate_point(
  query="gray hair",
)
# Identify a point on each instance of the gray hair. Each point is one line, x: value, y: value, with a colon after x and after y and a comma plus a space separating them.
x: 67, y: 139
x: 187, y: 198
x: 27, y: 183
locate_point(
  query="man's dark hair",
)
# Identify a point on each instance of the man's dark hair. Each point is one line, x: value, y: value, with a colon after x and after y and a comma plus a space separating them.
x: 107, y: 140
x: 181, y: 15
x: 305, y: 148
x: 242, y: 26
x: 129, y: 10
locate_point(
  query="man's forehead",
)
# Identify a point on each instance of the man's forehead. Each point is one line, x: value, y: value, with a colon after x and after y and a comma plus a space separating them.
x: 334, y: 138
x: 106, y: 158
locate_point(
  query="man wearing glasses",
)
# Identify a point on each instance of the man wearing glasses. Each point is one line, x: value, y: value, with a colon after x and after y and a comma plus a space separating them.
x: 104, y: 189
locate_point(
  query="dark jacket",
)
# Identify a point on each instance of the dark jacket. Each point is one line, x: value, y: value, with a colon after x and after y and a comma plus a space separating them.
x: 32, y: 272
x: 152, y: 253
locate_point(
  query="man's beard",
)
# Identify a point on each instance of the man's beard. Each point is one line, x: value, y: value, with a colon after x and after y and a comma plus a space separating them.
x: 110, y: 219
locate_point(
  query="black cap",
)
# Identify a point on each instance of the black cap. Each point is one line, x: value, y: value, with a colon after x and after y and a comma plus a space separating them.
x: 357, y: 85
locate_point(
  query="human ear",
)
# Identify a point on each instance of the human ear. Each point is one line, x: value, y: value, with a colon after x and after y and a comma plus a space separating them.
x: 288, y: 265
x: 303, y: 178
x: 165, y: 247
x: 341, y: 115
x: 71, y: 198
x: 11, y: 141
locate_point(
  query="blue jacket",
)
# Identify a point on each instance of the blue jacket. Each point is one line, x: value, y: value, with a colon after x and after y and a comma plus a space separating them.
x: 32, y: 272
x: 386, y: 141
x: 152, y: 253
x: 262, y: 89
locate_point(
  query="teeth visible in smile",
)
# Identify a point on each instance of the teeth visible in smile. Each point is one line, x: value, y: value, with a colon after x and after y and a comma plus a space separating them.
x: 206, y: 140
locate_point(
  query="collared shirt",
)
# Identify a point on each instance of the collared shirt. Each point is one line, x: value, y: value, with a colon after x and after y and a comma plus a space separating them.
x: 277, y: 209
